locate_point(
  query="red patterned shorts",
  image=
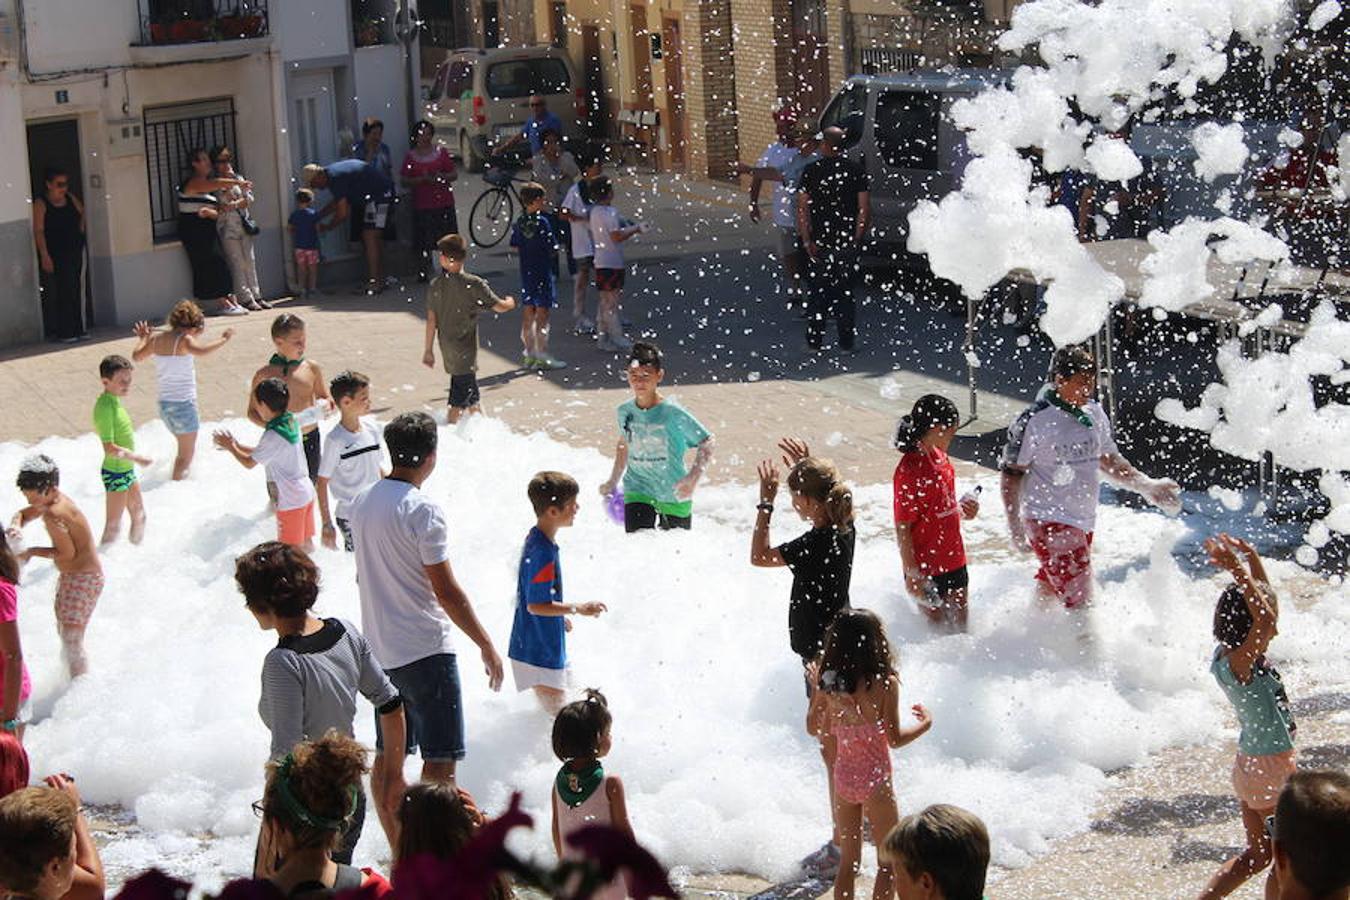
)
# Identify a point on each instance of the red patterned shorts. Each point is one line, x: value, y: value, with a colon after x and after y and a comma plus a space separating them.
x: 1065, y: 553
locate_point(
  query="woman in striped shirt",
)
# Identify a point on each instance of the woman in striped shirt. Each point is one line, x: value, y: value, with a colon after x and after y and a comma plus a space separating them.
x: 198, y: 210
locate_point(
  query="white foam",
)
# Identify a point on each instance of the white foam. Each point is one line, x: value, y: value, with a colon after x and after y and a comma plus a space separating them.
x: 707, y: 697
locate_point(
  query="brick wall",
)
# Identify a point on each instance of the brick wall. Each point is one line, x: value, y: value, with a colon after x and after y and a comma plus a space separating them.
x: 710, y: 88
x: 757, y: 82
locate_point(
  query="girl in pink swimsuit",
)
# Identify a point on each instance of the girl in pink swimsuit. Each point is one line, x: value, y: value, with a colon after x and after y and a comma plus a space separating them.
x: 858, y: 703
x: 583, y: 794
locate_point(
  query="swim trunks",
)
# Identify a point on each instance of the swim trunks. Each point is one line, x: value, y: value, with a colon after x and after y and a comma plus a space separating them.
x: 77, y: 594
x: 118, y: 482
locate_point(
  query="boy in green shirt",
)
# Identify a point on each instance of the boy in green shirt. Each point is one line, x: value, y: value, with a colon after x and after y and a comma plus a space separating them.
x: 657, y: 489
x: 113, y: 426
x: 454, y: 300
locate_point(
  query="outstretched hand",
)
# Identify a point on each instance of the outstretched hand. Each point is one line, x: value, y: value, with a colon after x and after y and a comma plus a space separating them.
x: 794, y: 451
x: 768, y: 481
x: 142, y: 330
x: 1222, y: 553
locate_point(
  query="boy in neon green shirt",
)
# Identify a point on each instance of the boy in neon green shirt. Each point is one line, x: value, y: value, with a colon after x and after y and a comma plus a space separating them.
x: 656, y: 433
x: 113, y: 426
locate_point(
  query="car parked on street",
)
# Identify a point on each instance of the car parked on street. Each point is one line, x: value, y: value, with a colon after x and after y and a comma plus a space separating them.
x: 480, y: 98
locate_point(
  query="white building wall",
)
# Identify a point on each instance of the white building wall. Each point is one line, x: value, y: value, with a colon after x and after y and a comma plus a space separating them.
x: 311, y: 29
x: 380, y: 93
x: 79, y: 34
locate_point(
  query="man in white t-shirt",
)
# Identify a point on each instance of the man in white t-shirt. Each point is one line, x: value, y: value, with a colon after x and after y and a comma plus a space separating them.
x: 773, y: 163
x: 1052, y: 464
x: 410, y: 600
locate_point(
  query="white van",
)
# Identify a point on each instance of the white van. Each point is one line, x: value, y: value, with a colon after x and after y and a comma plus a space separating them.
x: 479, y: 98
x: 900, y: 129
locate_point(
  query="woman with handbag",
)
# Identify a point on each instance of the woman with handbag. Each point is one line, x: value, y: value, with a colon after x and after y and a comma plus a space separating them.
x: 237, y: 230
x: 198, y: 212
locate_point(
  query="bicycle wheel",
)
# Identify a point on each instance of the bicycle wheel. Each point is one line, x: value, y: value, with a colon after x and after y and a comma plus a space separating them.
x: 491, y: 216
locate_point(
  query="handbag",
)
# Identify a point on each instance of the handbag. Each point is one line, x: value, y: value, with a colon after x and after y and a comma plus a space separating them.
x: 250, y: 227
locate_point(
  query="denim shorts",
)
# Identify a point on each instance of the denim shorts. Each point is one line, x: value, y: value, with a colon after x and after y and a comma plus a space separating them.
x: 432, y: 707
x: 179, y: 415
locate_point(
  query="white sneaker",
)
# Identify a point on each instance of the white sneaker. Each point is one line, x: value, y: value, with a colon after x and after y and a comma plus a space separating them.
x: 552, y: 363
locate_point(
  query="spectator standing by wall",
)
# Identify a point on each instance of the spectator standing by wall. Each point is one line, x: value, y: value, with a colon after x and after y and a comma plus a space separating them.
x: 58, y: 230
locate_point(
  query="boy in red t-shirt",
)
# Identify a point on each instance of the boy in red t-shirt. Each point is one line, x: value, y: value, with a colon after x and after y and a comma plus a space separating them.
x: 928, y: 515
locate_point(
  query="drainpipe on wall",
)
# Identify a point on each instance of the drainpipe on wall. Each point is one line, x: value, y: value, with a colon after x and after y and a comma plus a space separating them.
x: 283, y: 157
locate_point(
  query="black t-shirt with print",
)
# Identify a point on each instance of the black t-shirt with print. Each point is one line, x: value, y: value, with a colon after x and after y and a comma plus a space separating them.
x: 822, y: 565
x: 833, y: 183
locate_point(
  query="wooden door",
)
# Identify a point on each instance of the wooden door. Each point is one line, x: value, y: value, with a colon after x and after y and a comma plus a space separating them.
x: 810, y: 56
x: 642, y: 56
x: 670, y: 39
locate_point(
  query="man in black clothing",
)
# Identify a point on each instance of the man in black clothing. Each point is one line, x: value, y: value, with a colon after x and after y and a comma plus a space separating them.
x: 834, y: 210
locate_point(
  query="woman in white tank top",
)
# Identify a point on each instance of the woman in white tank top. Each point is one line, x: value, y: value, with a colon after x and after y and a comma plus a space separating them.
x: 175, y: 352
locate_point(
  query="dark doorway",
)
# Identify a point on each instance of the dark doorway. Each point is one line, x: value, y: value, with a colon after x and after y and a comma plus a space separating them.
x: 597, y: 110
x: 57, y: 143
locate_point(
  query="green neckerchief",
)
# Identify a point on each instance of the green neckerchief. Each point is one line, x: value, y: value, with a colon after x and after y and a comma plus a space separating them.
x: 285, y: 426
x: 286, y: 364
x: 1076, y: 411
x: 574, y: 787
x: 298, y: 810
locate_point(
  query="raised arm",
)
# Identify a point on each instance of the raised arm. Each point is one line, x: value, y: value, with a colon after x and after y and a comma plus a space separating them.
x: 1224, y: 553
x: 761, y: 554
x: 1163, y: 493
x: 199, y: 348
x: 145, y: 337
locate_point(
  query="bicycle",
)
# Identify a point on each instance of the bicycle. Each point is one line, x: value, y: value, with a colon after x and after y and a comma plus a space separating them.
x: 495, y: 209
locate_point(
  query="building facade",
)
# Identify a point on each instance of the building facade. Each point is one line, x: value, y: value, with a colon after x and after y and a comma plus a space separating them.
x: 119, y: 92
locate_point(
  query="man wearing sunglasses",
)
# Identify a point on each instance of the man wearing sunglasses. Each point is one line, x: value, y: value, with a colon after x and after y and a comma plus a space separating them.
x: 1310, y: 835
x: 540, y: 120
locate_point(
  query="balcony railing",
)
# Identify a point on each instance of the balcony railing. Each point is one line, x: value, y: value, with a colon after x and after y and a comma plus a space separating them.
x: 194, y: 21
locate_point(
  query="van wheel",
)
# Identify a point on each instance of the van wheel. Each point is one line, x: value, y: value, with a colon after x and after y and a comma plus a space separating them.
x: 472, y: 161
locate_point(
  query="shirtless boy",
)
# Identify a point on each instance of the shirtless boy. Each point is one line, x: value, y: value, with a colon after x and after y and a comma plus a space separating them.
x: 303, y: 379
x: 72, y: 550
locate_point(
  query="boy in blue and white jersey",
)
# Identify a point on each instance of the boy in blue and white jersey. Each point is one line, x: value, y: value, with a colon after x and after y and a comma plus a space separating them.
x: 538, y: 649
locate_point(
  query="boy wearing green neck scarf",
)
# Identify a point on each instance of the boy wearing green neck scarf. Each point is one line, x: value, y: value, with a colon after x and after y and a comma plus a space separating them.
x: 1057, y: 452
x: 304, y: 380
x: 279, y: 451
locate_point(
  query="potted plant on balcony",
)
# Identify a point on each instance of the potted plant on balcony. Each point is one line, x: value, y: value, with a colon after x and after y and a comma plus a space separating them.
x: 244, y: 22
x: 185, y: 30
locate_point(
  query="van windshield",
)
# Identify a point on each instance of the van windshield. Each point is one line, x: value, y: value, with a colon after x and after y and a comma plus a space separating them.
x: 523, y: 77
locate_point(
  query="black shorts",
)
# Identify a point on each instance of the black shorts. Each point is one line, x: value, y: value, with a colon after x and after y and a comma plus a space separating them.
x: 640, y: 516
x: 609, y: 279
x: 313, y: 453
x: 955, y: 580
x: 464, y: 390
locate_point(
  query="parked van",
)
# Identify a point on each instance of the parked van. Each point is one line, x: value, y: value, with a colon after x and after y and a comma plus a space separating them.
x: 900, y: 129
x: 479, y: 98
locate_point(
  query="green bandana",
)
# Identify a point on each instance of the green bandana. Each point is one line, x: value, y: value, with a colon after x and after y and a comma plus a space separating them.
x: 286, y: 364
x: 574, y: 787
x: 298, y: 810
x: 285, y: 426
x: 1076, y: 411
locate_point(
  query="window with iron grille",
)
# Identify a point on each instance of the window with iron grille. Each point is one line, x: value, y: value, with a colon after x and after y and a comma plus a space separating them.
x: 172, y: 133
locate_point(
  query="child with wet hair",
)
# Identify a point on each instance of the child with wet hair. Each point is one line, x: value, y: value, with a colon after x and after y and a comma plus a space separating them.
x: 857, y: 702
x: 311, y: 796
x: 80, y: 583
x: 583, y: 795
x: 1245, y: 621
x: 821, y: 561
x: 437, y: 819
